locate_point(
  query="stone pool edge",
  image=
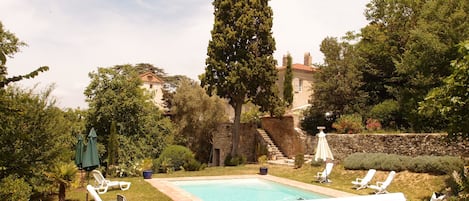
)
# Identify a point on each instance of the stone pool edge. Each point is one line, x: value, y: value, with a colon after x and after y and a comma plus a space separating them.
x: 178, y: 194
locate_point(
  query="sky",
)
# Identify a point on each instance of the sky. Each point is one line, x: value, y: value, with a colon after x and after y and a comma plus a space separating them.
x: 75, y: 37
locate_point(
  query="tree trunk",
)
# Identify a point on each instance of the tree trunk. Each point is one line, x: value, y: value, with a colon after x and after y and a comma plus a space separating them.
x: 62, y: 192
x: 235, y: 134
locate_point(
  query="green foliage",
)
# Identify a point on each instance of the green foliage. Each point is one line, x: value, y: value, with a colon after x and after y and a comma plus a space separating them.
x: 10, y: 45
x: 451, y: 101
x: 193, y: 165
x: 314, y: 117
x: 406, y: 51
x: 262, y: 160
x: 460, y: 183
x: 349, y: 124
x: 387, y: 112
x: 113, y: 145
x: 174, y: 157
x: 115, y: 94
x: 234, y: 160
x: 287, y: 82
x: 337, y: 85
x: 14, y: 189
x: 34, y: 135
x: 299, y: 160
x: 196, y: 116
x: 420, y: 164
x: 251, y: 114
x: 240, y: 65
x: 317, y: 163
x: 63, y: 174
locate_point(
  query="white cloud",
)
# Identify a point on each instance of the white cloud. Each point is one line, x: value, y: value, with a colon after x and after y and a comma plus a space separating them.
x: 74, y: 37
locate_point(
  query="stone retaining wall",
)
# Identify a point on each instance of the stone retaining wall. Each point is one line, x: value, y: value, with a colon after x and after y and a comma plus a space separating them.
x: 222, y: 142
x: 282, y: 132
x: 410, y: 144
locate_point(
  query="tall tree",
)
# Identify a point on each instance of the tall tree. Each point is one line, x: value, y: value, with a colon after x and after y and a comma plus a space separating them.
x: 451, y: 101
x: 407, y: 49
x: 337, y: 84
x: 197, y: 117
x: 115, y: 94
x: 9, y: 45
x: 287, y: 82
x: 240, y: 66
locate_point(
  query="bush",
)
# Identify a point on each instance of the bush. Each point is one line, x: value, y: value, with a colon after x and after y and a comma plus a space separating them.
x: 373, y: 124
x: 312, y: 118
x: 299, y: 160
x: 317, y: 163
x: 192, y: 165
x: 349, y: 124
x: 387, y: 162
x: 173, y: 157
x: 13, y: 189
x: 386, y: 112
x: 234, y: 160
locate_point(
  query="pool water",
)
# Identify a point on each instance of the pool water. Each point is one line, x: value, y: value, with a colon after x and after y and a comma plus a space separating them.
x: 250, y: 189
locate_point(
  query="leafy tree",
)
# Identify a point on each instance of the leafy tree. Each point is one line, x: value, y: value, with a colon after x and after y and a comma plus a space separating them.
x: 146, y: 67
x: 197, y: 117
x: 451, y: 101
x: 34, y: 135
x: 240, y: 66
x: 337, y: 85
x: 287, y: 83
x: 114, y: 94
x: 9, y: 45
x: 406, y: 50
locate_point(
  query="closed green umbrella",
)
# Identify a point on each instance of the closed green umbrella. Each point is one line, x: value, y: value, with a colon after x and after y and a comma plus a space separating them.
x: 91, y: 156
x: 79, y: 153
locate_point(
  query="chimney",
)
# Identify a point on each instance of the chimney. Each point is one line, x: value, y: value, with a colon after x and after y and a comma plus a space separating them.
x: 308, y: 59
x: 284, y: 60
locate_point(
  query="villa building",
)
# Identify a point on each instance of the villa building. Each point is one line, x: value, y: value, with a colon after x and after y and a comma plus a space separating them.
x: 302, y: 81
x: 153, y: 85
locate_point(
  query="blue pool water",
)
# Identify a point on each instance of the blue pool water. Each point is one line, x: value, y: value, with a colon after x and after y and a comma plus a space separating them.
x: 251, y: 189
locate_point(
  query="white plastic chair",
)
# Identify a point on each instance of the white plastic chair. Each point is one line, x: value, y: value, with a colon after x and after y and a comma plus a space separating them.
x: 380, y: 187
x: 104, y: 184
x: 361, y: 183
x: 93, y: 193
x: 437, y: 196
x: 322, y: 177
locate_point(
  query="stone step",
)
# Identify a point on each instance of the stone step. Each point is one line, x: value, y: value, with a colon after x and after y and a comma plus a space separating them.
x: 274, y: 150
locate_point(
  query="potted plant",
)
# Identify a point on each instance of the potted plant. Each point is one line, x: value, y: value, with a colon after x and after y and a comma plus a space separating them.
x: 147, y: 165
x: 262, y: 160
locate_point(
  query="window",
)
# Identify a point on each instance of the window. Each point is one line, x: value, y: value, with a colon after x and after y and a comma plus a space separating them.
x: 151, y: 86
x: 300, y: 85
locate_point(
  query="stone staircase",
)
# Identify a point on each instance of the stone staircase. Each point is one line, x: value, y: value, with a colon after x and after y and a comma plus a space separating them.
x: 274, y: 151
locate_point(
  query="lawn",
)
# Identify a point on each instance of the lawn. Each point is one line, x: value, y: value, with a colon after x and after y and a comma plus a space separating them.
x: 414, y: 186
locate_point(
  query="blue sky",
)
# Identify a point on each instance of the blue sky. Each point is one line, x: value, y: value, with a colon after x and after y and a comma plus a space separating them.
x: 74, y: 37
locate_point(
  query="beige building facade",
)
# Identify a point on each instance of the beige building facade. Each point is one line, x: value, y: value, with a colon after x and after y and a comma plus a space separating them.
x: 302, y: 81
x: 154, y: 86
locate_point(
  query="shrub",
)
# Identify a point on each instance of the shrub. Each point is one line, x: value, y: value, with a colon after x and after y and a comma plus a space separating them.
x: 386, y: 112
x: 349, y: 124
x: 314, y: 117
x: 234, y: 160
x: 13, y: 189
x: 299, y: 160
x: 192, y: 165
x: 173, y: 157
x: 373, y: 124
x: 317, y: 163
x: 388, y: 162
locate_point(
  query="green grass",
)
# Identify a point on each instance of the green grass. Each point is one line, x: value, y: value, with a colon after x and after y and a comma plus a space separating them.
x: 414, y: 186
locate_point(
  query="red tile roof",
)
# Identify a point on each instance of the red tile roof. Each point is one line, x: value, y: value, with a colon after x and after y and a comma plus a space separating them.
x: 150, y: 77
x: 301, y: 67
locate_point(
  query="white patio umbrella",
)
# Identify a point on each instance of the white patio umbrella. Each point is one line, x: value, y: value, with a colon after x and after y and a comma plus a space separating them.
x: 322, y: 151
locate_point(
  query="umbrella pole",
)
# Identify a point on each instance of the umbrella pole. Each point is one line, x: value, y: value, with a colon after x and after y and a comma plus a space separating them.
x: 87, y: 182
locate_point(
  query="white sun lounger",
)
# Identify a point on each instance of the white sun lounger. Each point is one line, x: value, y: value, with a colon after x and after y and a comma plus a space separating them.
x: 380, y: 187
x: 361, y: 183
x: 104, y: 184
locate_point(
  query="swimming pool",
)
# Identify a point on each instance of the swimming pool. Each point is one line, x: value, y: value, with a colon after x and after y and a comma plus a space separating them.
x: 245, y: 189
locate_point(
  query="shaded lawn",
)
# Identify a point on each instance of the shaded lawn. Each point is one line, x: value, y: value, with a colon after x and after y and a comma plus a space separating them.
x: 414, y: 186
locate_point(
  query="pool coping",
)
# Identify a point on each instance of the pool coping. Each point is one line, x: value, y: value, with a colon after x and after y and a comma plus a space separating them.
x: 175, y: 193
